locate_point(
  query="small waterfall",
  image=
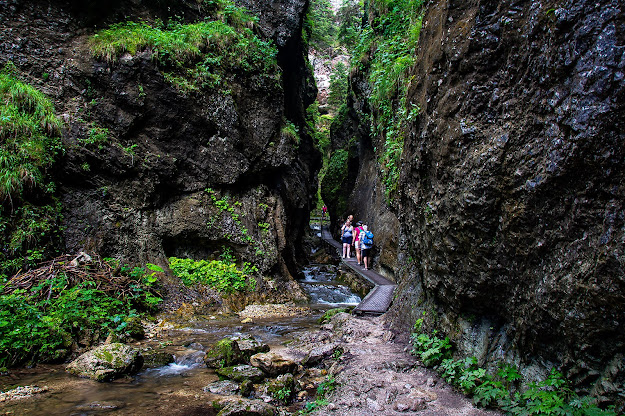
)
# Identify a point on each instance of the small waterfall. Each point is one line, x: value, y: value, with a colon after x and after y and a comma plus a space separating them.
x: 320, y: 284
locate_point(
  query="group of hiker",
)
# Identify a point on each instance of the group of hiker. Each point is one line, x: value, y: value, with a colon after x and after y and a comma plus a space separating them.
x: 359, y: 237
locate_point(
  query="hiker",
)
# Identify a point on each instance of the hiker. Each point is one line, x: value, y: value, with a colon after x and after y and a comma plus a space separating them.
x: 356, y: 241
x: 346, y: 238
x: 366, y: 243
x: 324, y: 211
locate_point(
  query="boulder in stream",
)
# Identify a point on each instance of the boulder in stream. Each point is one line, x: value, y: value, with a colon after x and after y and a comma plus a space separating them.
x: 223, y: 388
x: 249, y: 346
x: 224, y: 353
x: 107, y: 362
x: 244, y: 407
x: 273, y: 364
x: 153, y: 358
x: 241, y: 373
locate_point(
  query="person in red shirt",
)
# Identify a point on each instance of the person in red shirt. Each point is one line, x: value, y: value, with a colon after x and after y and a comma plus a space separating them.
x: 356, y: 241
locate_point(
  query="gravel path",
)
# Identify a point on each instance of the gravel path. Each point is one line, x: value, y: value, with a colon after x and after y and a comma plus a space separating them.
x: 379, y: 377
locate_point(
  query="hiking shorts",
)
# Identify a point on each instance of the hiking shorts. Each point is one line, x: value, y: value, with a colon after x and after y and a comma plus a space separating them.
x: 364, y: 252
x: 347, y: 240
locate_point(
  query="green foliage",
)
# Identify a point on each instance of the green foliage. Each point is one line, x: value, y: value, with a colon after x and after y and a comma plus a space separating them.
x: 196, y: 55
x: 36, y: 323
x: 388, y: 47
x: 327, y: 316
x: 289, y: 129
x: 552, y: 396
x: 338, y: 85
x: 349, y: 17
x: 327, y: 386
x: 283, y: 394
x: 319, y: 26
x: 431, y: 349
x: 221, y: 275
x: 96, y: 135
x: 29, y: 145
x: 333, y: 180
x: 29, y: 133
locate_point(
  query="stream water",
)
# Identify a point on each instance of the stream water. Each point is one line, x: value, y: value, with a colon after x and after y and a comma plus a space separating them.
x: 175, y: 389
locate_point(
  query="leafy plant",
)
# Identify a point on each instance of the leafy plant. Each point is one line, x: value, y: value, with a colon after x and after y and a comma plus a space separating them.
x: 431, y: 349
x: 223, y: 276
x: 40, y: 323
x: 553, y: 396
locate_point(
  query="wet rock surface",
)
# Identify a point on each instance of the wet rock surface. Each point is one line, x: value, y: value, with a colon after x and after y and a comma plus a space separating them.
x: 273, y: 311
x: 22, y: 392
x: 242, y: 373
x: 273, y: 364
x: 107, y: 362
x: 247, y: 408
x: 223, y: 387
x: 511, y: 199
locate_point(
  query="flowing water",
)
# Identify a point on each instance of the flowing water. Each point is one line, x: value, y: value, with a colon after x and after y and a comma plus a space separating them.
x: 177, y: 388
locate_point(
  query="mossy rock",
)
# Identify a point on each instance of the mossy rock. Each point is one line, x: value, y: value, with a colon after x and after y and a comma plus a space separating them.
x: 152, y: 358
x: 107, y: 362
x: 242, y: 373
x: 134, y: 328
x: 245, y: 407
x: 330, y: 313
x: 249, y: 346
x: 225, y: 353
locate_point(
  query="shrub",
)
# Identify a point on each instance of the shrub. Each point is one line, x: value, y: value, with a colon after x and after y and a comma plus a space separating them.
x: 40, y: 321
x: 552, y: 396
x: 221, y: 275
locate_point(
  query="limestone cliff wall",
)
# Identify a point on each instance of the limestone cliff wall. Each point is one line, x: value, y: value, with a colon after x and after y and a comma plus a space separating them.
x: 512, y: 186
x: 180, y: 173
x: 510, y: 217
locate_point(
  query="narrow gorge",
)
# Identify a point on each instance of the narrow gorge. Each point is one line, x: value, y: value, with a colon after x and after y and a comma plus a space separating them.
x: 143, y: 143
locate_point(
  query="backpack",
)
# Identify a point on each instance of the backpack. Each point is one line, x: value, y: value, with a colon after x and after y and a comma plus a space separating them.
x: 367, y: 238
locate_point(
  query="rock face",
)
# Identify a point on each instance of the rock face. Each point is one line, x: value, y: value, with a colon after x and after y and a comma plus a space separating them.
x: 273, y: 364
x: 157, y: 185
x: 511, y: 197
x: 107, y: 362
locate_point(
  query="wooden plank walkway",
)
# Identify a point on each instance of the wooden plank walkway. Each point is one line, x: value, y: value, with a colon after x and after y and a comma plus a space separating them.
x: 379, y: 299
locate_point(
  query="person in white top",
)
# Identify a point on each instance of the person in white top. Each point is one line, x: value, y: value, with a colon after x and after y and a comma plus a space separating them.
x: 346, y: 238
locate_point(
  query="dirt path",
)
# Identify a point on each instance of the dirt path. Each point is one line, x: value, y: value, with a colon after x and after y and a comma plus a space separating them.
x: 378, y: 377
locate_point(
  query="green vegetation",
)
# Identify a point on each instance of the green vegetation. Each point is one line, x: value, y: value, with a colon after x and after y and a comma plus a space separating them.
x: 388, y: 48
x: 331, y: 187
x: 319, y: 25
x: 327, y: 316
x: 552, y: 396
x: 222, y: 275
x: 338, y: 86
x: 289, y: 129
x: 197, y: 55
x: 326, y: 387
x: 42, y: 321
x: 349, y: 16
x: 29, y: 144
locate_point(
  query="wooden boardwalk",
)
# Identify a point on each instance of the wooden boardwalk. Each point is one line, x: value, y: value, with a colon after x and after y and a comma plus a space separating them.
x: 380, y: 297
